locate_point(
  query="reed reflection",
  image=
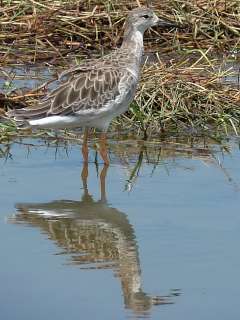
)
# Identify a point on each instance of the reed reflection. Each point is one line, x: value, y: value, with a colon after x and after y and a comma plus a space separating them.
x: 95, y: 236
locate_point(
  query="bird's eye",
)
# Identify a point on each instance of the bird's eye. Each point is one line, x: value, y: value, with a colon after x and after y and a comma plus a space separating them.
x: 145, y: 16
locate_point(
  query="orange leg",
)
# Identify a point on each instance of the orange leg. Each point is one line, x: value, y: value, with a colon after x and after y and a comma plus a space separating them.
x: 103, y: 149
x: 85, y: 146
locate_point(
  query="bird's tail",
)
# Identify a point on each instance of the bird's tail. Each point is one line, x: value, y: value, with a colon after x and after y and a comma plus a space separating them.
x: 24, y: 115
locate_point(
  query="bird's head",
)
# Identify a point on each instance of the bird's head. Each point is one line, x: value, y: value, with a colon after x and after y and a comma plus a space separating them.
x: 144, y: 18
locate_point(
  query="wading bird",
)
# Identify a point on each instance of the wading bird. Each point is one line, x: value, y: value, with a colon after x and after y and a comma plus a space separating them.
x: 96, y: 91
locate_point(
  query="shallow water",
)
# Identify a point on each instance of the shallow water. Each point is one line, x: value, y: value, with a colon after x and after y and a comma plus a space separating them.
x: 24, y: 78
x: 155, y: 235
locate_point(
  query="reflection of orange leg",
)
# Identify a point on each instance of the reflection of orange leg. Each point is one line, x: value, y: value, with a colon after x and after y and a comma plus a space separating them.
x: 85, y: 176
x: 103, y: 182
x: 85, y: 146
x: 103, y: 149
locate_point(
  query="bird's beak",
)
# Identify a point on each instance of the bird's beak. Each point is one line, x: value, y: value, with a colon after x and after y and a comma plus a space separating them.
x: 165, y: 23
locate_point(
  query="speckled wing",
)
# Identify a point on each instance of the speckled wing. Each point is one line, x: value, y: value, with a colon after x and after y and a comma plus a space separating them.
x: 85, y: 88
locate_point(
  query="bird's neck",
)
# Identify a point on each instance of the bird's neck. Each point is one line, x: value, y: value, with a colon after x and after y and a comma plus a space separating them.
x: 133, y: 41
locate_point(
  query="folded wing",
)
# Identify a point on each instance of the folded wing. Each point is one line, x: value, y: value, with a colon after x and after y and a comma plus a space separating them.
x: 85, y: 87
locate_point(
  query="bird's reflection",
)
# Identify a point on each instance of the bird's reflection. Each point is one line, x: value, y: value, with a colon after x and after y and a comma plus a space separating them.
x: 95, y: 235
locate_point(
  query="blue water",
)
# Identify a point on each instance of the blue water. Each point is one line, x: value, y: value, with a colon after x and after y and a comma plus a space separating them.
x: 70, y: 250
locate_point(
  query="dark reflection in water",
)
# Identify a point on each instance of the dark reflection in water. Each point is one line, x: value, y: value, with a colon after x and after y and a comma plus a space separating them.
x: 95, y: 236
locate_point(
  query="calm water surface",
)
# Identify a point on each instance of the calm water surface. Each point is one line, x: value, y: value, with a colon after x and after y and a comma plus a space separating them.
x: 155, y: 235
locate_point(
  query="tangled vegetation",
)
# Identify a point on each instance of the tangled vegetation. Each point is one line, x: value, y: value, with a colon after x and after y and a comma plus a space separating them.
x: 181, y: 88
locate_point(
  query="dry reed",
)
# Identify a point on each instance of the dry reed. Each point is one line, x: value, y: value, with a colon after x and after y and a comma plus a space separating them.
x: 180, y: 91
x: 35, y: 31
